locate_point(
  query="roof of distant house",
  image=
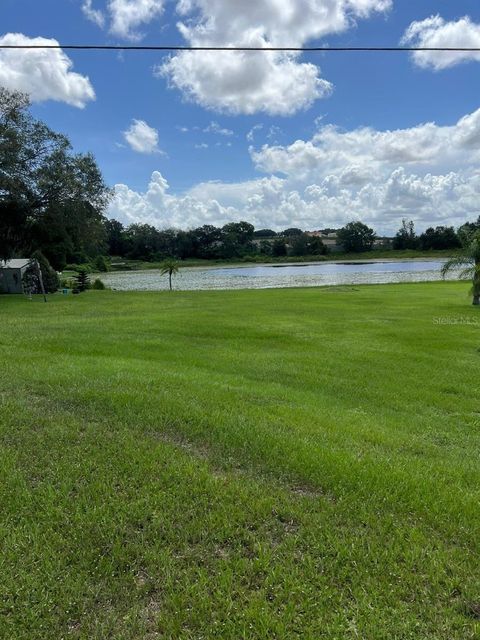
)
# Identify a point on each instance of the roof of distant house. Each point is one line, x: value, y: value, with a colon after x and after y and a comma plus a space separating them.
x: 16, y: 263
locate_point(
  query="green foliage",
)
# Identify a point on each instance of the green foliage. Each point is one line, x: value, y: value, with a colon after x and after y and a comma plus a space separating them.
x: 292, y: 232
x: 265, y: 233
x: 265, y: 247
x: 31, y: 277
x: 101, y: 264
x: 171, y: 267
x: 467, y: 231
x: 98, y: 285
x: 468, y: 262
x: 236, y: 240
x: 356, y: 237
x: 50, y: 198
x: 79, y: 267
x: 279, y: 248
x: 305, y: 245
x: 82, y: 281
x: 406, y: 237
x: 13, y: 219
x: 439, y: 238
x: 116, y: 240
x: 67, y: 283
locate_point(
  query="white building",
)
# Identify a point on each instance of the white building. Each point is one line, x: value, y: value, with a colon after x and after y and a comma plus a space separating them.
x: 11, y: 275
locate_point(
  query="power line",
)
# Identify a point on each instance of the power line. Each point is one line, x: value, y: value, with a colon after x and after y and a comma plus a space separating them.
x: 102, y: 47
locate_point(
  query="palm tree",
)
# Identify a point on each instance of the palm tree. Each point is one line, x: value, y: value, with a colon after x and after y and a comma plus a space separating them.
x: 469, y: 261
x: 170, y: 266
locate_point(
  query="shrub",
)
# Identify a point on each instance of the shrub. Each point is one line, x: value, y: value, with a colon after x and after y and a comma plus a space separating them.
x: 49, y: 275
x: 101, y: 264
x: 98, y: 285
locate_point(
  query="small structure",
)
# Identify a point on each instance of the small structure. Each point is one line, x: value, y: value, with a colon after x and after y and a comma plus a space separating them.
x: 11, y: 275
x: 330, y: 240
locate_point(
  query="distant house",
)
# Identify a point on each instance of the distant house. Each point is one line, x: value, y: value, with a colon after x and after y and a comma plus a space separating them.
x: 329, y: 240
x: 11, y: 275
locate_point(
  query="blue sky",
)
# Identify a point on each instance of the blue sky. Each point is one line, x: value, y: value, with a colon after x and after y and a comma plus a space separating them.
x: 319, y: 154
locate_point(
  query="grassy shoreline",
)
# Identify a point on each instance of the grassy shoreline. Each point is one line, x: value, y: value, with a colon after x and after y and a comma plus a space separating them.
x: 241, y: 464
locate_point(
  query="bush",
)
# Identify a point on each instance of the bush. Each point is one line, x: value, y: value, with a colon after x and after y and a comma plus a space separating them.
x: 98, y: 285
x: 49, y: 275
x: 101, y: 264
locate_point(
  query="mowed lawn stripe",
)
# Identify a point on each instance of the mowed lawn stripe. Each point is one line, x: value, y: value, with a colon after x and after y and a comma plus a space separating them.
x: 254, y: 464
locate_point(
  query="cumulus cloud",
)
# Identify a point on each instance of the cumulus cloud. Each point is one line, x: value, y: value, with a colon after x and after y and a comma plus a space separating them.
x: 435, y: 32
x: 427, y: 173
x: 142, y: 138
x: 45, y: 74
x: 332, y: 150
x: 128, y: 15
x: 247, y: 83
x: 275, y: 83
x: 238, y: 83
x: 158, y: 207
x: 94, y: 15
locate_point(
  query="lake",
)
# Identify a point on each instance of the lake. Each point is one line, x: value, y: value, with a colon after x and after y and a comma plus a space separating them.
x: 266, y: 276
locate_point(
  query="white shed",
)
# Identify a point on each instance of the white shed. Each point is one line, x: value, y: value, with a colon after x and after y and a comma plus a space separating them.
x: 11, y: 275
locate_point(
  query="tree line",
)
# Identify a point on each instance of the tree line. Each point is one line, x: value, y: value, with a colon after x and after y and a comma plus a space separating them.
x: 241, y: 240
x: 233, y: 240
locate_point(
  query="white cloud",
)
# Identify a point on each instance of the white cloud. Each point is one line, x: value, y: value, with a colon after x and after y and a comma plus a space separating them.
x: 237, y: 83
x: 94, y: 15
x: 142, y: 138
x: 435, y: 32
x: 128, y: 15
x: 202, y: 145
x: 273, y: 133
x: 277, y: 21
x: 45, y: 74
x: 156, y: 206
x: 252, y: 132
x: 332, y: 150
x: 247, y: 83
x: 428, y: 173
x: 275, y: 83
x: 215, y: 128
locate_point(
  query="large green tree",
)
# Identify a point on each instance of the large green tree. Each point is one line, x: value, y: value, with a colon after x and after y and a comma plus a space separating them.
x: 51, y: 199
x: 439, y: 238
x: 406, y: 237
x: 237, y: 240
x: 356, y: 237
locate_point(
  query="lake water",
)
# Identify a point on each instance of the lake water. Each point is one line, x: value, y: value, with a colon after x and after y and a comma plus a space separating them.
x: 275, y: 276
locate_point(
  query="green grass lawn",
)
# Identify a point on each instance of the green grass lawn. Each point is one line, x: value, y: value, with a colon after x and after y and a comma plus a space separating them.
x: 298, y: 463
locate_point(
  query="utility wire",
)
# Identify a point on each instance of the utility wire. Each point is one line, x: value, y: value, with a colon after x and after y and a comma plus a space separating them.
x: 101, y: 47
